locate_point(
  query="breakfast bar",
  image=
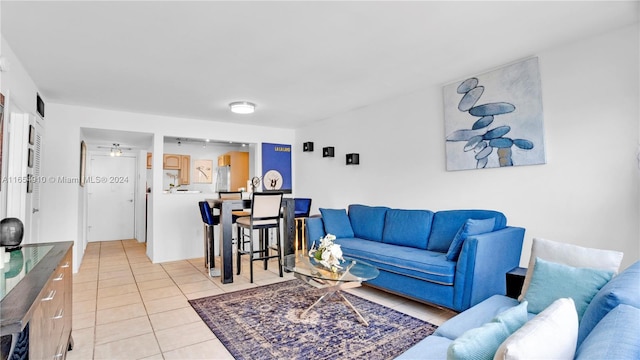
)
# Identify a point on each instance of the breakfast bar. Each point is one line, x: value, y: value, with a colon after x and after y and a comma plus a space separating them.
x: 226, y: 206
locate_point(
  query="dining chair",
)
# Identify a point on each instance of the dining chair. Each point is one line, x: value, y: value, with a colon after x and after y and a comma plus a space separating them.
x: 301, y: 212
x: 235, y: 195
x: 208, y: 221
x: 265, y: 214
x: 302, y: 207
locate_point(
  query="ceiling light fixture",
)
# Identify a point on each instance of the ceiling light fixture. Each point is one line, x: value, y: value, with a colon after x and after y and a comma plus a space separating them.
x: 242, y: 107
x: 115, y: 150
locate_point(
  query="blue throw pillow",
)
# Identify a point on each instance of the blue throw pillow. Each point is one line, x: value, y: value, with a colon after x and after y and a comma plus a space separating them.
x: 513, y: 318
x: 615, y: 336
x: 469, y: 228
x: 622, y: 289
x: 551, y: 281
x: 446, y: 224
x: 336, y: 222
x: 483, y: 342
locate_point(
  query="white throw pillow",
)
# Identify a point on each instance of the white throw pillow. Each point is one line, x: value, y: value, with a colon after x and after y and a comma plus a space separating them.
x: 552, y: 334
x: 572, y: 255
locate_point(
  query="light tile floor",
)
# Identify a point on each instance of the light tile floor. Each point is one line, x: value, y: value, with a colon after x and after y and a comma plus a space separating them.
x: 126, y: 307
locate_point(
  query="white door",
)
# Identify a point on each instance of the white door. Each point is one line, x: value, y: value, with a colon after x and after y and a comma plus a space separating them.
x: 111, y: 190
x: 33, y: 158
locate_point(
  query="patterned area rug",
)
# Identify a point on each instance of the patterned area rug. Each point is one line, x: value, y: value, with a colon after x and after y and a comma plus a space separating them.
x: 264, y: 323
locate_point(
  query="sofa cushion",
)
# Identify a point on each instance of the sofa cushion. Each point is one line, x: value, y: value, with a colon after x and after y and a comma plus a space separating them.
x: 483, y: 342
x: 337, y: 222
x: 447, y: 223
x: 552, y: 334
x: 478, y: 344
x: 421, y: 264
x: 469, y: 228
x: 475, y: 316
x: 615, y: 337
x: 367, y: 222
x: 622, y: 289
x: 551, y: 281
x: 513, y: 318
x: 572, y: 255
x: 431, y: 347
x: 407, y: 227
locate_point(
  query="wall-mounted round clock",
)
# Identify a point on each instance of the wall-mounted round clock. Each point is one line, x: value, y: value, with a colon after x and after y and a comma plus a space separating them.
x: 272, y: 180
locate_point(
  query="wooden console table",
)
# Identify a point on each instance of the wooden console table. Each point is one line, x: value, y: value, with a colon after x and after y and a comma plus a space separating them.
x: 36, y: 288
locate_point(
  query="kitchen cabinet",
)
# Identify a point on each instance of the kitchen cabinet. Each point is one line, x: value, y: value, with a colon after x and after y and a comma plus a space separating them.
x: 224, y: 160
x: 38, y: 300
x: 239, y: 162
x: 171, y: 161
x: 149, y: 160
x: 185, y: 169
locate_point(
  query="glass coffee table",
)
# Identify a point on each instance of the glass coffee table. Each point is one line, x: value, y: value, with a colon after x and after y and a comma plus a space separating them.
x: 352, y: 274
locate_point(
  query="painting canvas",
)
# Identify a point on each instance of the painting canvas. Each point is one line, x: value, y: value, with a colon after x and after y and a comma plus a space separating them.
x: 495, y: 119
x: 276, y: 167
x: 83, y: 162
x: 203, y: 171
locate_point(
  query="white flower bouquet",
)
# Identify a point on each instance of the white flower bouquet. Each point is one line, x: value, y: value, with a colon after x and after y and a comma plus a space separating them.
x: 328, y: 253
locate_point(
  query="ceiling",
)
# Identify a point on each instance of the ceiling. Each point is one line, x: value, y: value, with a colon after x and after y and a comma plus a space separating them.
x: 299, y: 61
x: 104, y: 139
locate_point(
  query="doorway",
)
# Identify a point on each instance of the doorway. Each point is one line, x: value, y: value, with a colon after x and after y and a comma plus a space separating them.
x: 111, y: 197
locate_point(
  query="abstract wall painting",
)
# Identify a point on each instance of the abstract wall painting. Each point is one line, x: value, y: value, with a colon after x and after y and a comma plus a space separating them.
x: 203, y: 171
x: 495, y: 119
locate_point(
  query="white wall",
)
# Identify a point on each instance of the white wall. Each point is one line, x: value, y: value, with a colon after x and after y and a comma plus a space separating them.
x: 586, y: 194
x: 20, y: 97
x: 60, y: 202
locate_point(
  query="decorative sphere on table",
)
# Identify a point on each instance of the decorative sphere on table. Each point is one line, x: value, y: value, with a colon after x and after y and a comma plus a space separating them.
x: 11, y: 232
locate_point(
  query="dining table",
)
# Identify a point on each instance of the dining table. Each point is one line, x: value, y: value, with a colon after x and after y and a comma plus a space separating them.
x: 225, y: 207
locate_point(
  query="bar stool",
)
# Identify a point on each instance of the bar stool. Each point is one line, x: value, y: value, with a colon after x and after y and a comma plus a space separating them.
x: 235, y: 195
x: 301, y: 212
x: 265, y: 214
x: 209, y: 221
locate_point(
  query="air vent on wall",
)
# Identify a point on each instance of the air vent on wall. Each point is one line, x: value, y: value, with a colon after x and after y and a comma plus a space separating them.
x: 39, y: 105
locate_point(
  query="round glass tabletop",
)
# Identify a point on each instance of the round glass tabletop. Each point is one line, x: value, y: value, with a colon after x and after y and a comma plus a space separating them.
x: 352, y: 269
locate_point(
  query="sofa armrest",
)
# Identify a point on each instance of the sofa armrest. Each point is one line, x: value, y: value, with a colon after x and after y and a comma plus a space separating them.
x: 314, y: 230
x: 483, y: 263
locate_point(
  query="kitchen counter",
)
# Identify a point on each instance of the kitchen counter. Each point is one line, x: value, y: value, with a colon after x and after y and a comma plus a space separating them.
x: 183, y: 192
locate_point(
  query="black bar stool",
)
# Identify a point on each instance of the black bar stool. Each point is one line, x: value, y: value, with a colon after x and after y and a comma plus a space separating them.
x: 301, y: 212
x: 265, y: 214
x: 209, y: 221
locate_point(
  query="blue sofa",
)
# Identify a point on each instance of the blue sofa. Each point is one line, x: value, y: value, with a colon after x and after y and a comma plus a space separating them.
x: 413, y: 250
x: 608, y: 329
